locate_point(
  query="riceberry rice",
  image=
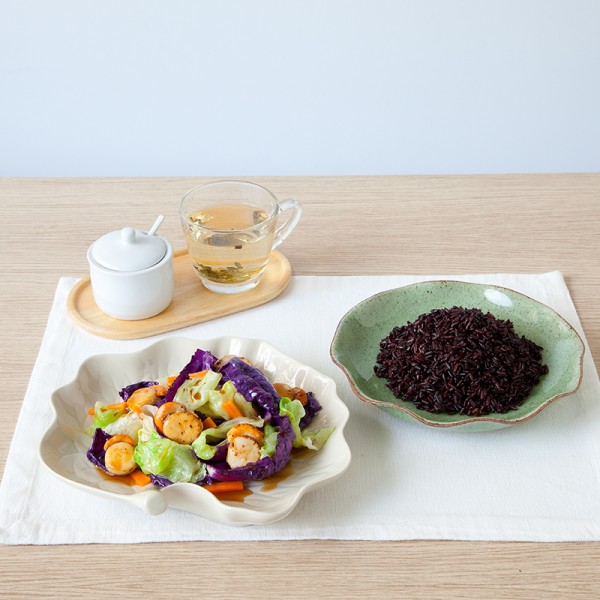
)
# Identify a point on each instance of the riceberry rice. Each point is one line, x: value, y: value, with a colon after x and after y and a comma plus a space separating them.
x: 460, y: 361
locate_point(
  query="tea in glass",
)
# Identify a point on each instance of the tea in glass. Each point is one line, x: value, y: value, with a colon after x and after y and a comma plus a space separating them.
x: 230, y: 228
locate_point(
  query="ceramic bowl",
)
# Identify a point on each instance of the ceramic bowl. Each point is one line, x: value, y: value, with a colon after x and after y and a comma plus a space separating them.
x: 355, y: 346
x: 64, y: 445
x: 132, y: 273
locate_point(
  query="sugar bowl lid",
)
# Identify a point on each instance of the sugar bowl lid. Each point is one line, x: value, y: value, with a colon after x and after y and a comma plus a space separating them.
x: 129, y: 249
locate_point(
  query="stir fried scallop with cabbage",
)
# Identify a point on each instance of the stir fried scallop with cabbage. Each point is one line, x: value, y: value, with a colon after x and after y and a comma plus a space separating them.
x: 218, y: 423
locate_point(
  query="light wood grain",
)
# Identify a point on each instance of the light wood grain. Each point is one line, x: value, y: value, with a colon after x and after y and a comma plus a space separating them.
x: 192, y: 303
x: 350, y: 225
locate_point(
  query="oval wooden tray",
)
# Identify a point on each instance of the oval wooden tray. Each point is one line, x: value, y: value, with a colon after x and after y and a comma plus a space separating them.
x: 192, y: 302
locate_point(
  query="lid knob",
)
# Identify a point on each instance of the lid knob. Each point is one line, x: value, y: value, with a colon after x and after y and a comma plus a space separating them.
x: 128, y: 235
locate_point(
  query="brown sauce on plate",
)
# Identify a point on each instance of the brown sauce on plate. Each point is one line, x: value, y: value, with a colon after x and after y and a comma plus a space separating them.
x: 270, y: 483
x: 124, y: 479
x: 233, y: 496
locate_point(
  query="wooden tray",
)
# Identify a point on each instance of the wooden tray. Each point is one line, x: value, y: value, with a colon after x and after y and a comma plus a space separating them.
x: 192, y: 302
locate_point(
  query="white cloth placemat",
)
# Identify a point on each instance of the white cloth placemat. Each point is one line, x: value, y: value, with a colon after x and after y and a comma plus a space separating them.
x: 538, y: 481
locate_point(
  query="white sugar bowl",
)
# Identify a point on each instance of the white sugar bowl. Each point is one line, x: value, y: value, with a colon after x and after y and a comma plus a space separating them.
x: 132, y: 273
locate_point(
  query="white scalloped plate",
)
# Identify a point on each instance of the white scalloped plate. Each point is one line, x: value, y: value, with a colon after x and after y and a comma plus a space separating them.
x: 64, y: 445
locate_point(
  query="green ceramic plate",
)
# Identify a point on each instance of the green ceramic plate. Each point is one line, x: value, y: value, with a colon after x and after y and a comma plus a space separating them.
x: 355, y: 346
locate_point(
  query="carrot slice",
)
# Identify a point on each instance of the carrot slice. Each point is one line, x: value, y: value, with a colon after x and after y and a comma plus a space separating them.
x: 232, y: 410
x: 208, y: 423
x: 135, y: 408
x: 117, y: 406
x: 171, y: 380
x: 140, y: 478
x: 224, y: 486
x: 119, y: 437
x: 198, y: 374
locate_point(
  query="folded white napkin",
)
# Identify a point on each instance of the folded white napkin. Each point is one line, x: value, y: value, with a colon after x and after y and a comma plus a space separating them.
x: 537, y: 481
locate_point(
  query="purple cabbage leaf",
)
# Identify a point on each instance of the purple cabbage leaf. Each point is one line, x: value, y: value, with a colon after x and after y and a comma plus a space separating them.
x: 201, y: 360
x: 96, y: 452
x: 253, y: 385
x: 311, y: 408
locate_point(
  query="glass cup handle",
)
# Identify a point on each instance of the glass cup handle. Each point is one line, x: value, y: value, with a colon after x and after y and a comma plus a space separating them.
x: 288, y: 225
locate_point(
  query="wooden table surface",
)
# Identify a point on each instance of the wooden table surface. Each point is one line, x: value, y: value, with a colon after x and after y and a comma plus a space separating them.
x: 350, y: 225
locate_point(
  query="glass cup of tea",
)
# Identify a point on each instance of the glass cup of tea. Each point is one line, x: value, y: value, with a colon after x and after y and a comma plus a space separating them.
x: 230, y: 228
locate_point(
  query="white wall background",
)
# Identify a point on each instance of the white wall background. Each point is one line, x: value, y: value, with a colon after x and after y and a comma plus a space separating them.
x: 294, y: 87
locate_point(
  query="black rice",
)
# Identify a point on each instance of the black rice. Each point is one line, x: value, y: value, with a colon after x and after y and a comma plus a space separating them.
x: 460, y: 361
